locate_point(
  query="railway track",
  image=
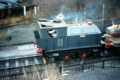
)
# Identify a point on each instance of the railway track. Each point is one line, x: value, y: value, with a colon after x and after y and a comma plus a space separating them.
x: 23, y: 68
x: 16, y: 66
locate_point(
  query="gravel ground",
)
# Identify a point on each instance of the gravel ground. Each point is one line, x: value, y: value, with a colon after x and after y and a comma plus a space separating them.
x: 97, y: 74
x: 19, y: 35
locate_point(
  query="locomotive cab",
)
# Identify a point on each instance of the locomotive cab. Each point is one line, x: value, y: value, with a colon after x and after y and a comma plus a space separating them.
x: 52, y: 35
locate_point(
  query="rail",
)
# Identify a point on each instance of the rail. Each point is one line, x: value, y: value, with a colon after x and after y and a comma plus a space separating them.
x: 14, y: 68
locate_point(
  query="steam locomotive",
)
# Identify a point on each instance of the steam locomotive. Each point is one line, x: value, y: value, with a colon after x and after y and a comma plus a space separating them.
x: 56, y: 39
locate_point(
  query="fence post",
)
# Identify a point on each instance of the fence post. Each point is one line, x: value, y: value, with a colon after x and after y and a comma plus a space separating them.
x: 24, y: 10
x: 35, y: 10
x: 103, y: 65
x: 82, y: 67
x: 93, y: 66
x: 61, y: 68
x: 38, y: 9
x: 9, y: 36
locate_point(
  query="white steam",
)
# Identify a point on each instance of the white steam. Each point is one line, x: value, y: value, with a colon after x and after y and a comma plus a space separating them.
x: 60, y: 16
